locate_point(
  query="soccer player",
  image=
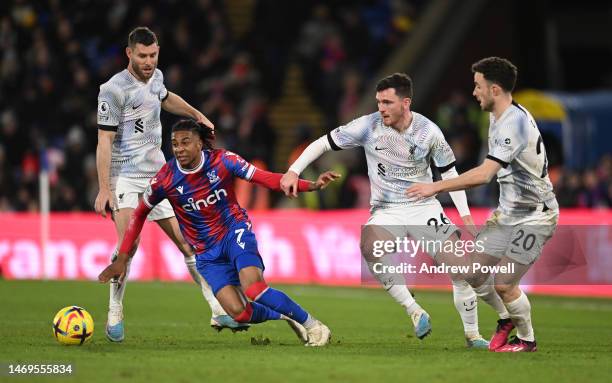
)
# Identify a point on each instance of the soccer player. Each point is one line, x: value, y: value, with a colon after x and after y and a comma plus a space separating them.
x: 129, y: 154
x: 399, y: 144
x: 198, y: 184
x: 528, y: 211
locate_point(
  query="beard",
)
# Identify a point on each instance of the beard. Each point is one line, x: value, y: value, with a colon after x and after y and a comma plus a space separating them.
x: 395, y: 118
x: 487, y: 106
x: 140, y: 73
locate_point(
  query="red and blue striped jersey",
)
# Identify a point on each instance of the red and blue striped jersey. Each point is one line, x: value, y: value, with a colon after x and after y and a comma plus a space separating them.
x: 203, y: 198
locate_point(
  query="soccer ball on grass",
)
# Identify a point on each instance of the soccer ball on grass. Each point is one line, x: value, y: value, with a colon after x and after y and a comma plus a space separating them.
x: 73, y: 325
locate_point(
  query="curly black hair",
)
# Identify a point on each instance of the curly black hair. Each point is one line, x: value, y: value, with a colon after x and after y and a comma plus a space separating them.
x: 207, y: 135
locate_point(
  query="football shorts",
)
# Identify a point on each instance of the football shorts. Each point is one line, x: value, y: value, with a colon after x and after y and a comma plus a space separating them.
x: 519, y: 238
x: 221, y: 264
x: 426, y: 222
x: 127, y: 191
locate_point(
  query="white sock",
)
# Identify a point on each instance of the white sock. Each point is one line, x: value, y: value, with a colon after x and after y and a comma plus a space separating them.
x: 310, y: 322
x: 487, y: 293
x: 117, y: 290
x: 520, y: 312
x: 214, y: 304
x: 466, y: 303
x: 396, y: 288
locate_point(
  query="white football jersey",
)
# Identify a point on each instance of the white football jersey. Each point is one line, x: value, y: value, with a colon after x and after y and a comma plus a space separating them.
x: 134, y: 108
x: 396, y: 160
x: 515, y: 142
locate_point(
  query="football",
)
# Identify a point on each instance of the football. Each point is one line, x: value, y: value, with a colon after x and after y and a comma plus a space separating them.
x: 73, y: 325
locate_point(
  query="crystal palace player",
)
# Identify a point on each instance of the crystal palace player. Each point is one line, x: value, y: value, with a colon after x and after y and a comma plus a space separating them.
x: 129, y: 154
x: 199, y: 185
x: 528, y: 210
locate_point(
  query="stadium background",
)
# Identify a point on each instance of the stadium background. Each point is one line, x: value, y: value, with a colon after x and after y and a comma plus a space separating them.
x: 273, y: 75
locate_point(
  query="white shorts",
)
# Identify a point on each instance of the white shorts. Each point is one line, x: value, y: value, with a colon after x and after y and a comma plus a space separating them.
x: 426, y: 222
x: 519, y: 238
x: 127, y: 192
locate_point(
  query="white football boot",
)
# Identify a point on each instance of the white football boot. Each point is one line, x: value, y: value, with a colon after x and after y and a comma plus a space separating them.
x: 299, y: 330
x: 318, y: 335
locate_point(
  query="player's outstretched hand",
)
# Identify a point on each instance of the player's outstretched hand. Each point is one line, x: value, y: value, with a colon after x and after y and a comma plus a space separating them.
x: 104, y: 203
x: 289, y: 184
x: 421, y: 191
x: 114, y: 270
x: 325, y: 179
x: 203, y: 120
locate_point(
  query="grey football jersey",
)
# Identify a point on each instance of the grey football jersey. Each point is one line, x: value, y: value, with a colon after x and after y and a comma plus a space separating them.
x: 395, y: 160
x: 515, y: 142
x: 134, y: 108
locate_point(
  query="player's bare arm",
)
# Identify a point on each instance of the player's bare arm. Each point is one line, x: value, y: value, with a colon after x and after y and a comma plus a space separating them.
x: 176, y: 105
x: 289, y: 181
x: 273, y: 181
x: 116, y: 269
x: 480, y: 175
x: 460, y: 201
x: 103, y: 160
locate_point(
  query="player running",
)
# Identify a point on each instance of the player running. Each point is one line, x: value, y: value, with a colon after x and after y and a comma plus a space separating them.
x: 399, y: 144
x: 528, y: 212
x: 129, y: 154
x: 198, y: 184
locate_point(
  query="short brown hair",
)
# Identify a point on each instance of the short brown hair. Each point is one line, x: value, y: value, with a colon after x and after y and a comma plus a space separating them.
x: 497, y: 70
x: 401, y: 82
x: 141, y: 35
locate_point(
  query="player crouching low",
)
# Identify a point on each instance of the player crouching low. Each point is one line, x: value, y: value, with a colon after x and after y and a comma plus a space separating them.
x: 198, y: 183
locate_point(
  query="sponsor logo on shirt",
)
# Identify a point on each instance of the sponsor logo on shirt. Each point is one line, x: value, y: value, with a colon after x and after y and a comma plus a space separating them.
x: 211, y: 199
x: 502, y: 141
x: 401, y: 172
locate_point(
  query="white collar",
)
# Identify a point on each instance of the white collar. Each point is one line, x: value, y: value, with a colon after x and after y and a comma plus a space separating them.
x: 194, y: 170
x: 504, y: 114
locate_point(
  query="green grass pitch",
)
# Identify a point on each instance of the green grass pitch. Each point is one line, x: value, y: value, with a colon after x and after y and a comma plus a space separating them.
x: 168, y: 338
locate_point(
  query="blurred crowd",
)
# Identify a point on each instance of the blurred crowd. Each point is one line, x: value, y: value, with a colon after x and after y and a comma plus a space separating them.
x: 591, y: 188
x: 465, y: 127
x: 340, y: 47
x: 54, y: 55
